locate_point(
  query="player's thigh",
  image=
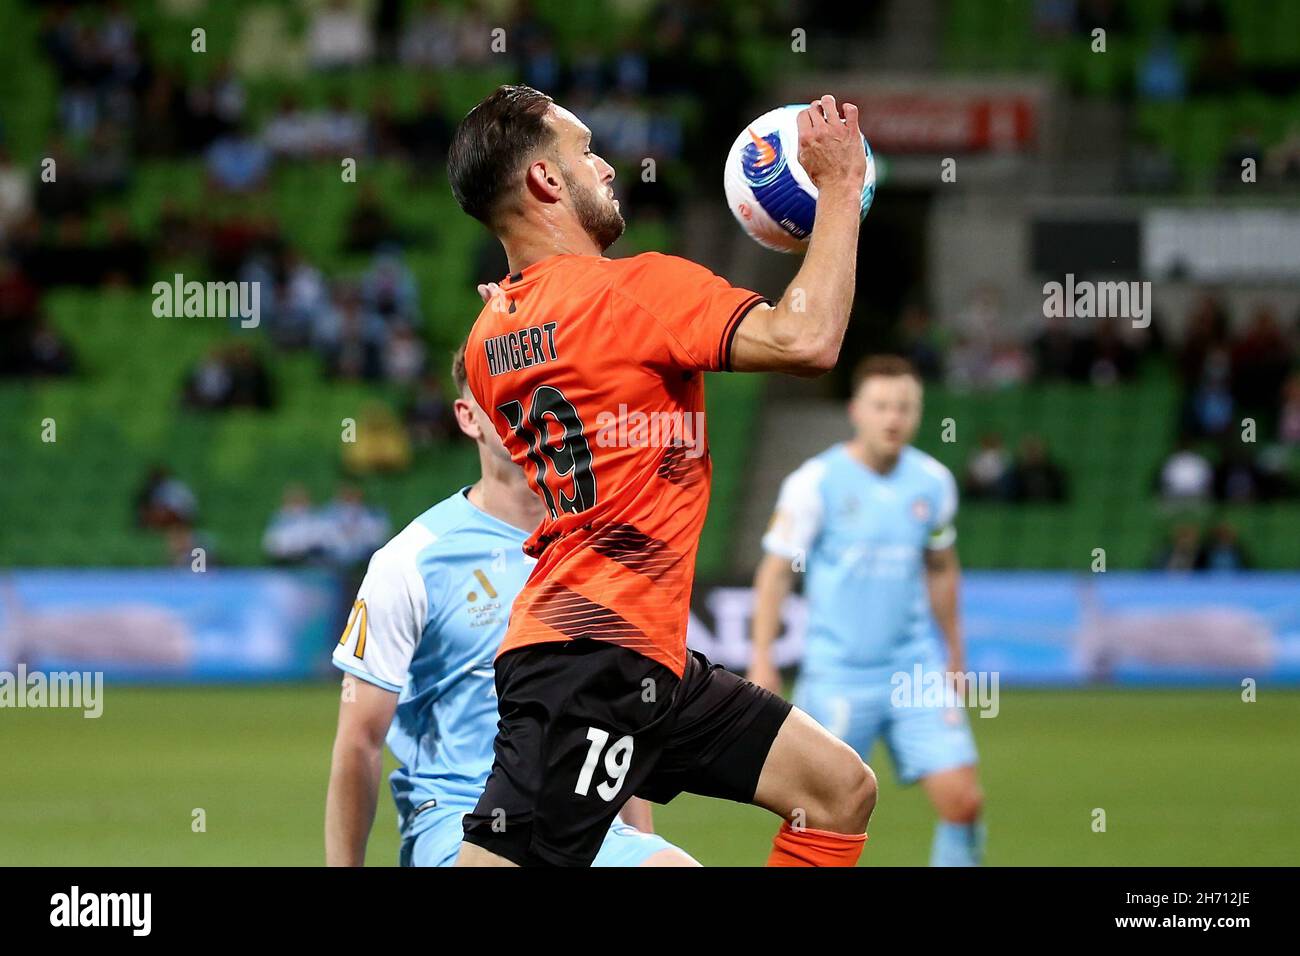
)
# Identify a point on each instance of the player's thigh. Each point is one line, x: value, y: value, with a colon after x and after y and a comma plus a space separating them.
x: 812, y: 775
x: 433, y: 840
x: 854, y: 717
x: 625, y: 845
x: 721, y: 729
x: 928, y: 740
x: 576, y: 736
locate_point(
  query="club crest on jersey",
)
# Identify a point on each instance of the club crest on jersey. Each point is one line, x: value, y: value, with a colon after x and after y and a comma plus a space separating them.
x: 921, y: 510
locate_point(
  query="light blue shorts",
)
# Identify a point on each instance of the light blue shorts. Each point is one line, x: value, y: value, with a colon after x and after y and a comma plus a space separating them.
x: 921, y: 740
x: 435, y: 837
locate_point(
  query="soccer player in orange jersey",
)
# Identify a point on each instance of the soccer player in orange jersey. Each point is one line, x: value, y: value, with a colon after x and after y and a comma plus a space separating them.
x: 591, y: 370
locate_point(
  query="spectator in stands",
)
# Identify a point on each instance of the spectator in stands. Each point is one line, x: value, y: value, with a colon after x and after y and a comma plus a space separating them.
x: 1035, y: 476
x: 110, y: 171
x: 1197, y: 17
x: 124, y: 258
x: 1054, y: 19
x: 1108, y: 15
x: 1246, y: 145
x: 47, y: 352
x: 250, y: 380
x: 70, y: 193
x: 388, y: 288
x: 920, y: 342
x: 1182, y: 551
x: 1160, y: 74
x: 1237, y: 478
x: 303, y: 298
x: 369, y: 226
x: 339, y: 35
x: 989, y: 472
x: 429, y: 38
x: 426, y: 135
x: 386, y: 21
x: 1107, y: 358
x: 229, y: 377
x: 382, y: 444
x: 428, y: 416
x: 238, y: 163
x: 1057, y: 356
x: 182, y: 542
x: 1209, y: 411
x: 1223, y: 550
x: 404, y: 356
x: 347, y: 340
x: 352, y: 529
x: 15, y: 193
x: 1207, y: 330
x: 1261, y: 360
x: 1186, y: 476
x: 1288, y: 416
x: 296, y: 533
x: 1282, y: 161
x: 208, y: 387
x: 164, y: 501
x: 289, y: 132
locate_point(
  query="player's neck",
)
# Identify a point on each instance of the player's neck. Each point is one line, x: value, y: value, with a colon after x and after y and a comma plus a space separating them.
x: 545, y: 239
x: 880, y: 464
x: 503, y: 492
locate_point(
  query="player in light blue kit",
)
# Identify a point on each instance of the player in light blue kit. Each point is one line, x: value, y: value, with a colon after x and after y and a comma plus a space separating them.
x: 871, y: 521
x: 424, y: 630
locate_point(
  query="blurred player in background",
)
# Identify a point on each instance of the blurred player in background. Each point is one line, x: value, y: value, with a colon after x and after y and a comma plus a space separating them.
x: 427, y: 623
x: 598, y: 697
x: 871, y: 521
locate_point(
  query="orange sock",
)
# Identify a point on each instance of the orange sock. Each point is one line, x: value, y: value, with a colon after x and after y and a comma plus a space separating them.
x: 791, y: 847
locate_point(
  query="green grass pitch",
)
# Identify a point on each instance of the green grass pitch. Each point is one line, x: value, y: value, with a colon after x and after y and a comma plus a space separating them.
x: 1185, y: 777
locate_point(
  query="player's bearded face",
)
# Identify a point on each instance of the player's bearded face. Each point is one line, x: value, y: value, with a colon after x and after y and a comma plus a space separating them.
x: 595, y: 210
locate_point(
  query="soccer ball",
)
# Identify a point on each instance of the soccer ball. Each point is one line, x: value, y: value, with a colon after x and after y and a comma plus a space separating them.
x: 768, y: 191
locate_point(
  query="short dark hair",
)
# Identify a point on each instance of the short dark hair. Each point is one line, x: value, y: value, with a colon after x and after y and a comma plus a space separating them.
x: 883, y: 366
x: 458, y: 374
x: 490, y: 146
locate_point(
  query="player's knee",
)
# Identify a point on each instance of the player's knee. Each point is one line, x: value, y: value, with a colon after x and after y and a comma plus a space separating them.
x: 965, y: 805
x: 864, y: 797
x: 852, y: 796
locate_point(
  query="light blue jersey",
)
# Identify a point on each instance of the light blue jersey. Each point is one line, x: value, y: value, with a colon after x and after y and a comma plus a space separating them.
x: 861, y: 537
x: 430, y: 615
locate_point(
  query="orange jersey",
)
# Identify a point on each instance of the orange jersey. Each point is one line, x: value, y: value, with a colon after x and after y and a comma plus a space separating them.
x: 590, y: 369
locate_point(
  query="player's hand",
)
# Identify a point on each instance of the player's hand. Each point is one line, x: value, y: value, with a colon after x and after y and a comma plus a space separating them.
x: 488, y: 290
x: 957, y: 675
x: 763, y: 673
x: 830, y: 145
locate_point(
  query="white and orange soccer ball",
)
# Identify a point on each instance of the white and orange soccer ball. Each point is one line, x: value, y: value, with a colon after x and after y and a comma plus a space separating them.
x: 769, y: 193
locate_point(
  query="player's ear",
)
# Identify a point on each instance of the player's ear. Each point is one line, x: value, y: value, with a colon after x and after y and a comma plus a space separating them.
x: 465, y: 419
x: 544, y: 181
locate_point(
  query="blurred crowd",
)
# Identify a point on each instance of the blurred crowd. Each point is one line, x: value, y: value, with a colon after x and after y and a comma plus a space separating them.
x: 340, y: 533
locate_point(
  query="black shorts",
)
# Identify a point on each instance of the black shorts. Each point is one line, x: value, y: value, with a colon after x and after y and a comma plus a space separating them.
x: 584, y: 725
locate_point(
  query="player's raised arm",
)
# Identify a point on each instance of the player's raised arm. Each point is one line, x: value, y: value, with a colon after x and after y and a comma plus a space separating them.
x: 803, y: 332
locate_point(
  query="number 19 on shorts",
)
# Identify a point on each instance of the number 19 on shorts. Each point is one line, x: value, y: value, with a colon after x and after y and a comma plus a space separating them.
x: 618, y: 759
